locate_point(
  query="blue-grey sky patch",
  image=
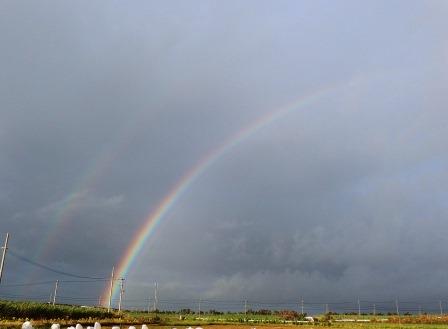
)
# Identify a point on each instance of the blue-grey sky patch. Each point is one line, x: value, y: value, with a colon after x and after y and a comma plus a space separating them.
x: 343, y: 198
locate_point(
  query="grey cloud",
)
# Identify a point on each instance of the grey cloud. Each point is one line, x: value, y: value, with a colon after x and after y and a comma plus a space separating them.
x: 112, y: 103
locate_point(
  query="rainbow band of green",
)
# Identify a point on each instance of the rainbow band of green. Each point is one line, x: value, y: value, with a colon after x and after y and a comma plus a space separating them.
x: 154, y: 218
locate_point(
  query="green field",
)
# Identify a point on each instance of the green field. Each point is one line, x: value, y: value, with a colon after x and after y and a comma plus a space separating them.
x: 13, y: 314
x: 32, y: 310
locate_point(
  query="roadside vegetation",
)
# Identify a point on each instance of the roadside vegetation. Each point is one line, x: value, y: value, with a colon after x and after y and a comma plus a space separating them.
x: 10, y: 310
x: 13, y: 314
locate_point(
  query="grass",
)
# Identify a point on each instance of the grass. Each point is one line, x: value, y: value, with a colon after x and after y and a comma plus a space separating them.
x: 10, y: 310
x: 13, y: 314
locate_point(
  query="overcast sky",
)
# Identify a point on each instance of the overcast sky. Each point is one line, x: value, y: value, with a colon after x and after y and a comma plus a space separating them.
x: 105, y: 105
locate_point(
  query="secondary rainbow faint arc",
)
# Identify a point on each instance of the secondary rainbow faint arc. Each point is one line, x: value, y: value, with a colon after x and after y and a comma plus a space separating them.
x: 154, y: 218
x: 96, y: 169
x: 57, y: 225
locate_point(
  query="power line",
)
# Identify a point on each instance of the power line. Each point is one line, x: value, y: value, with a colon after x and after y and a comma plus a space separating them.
x: 233, y: 304
x: 48, y: 268
x: 27, y: 284
x: 51, y: 282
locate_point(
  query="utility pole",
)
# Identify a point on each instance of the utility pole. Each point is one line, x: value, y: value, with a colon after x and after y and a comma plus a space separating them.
x: 155, y: 296
x: 149, y: 304
x: 55, y: 291
x: 441, y: 309
x: 359, y: 308
x: 245, y: 308
x: 2, y: 264
x: 302, y: 305
x: 110, y: 289
x: 199, y: 307
x: 121, y: 294
x: 374, y: 309
x: 398, y: 312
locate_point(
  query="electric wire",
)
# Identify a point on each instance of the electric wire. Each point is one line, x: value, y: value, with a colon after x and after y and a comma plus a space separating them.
x: 48, y: 268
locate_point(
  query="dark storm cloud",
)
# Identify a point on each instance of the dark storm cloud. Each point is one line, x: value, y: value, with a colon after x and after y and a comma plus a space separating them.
x: 111, y: 103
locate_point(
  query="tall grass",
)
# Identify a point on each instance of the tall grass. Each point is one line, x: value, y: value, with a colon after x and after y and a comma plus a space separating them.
x: 33, y: 310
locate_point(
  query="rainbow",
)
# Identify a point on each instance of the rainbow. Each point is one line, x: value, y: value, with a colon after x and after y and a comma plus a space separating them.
x: 83, y: 187
x: 80, y: 190
x: 168, y: 202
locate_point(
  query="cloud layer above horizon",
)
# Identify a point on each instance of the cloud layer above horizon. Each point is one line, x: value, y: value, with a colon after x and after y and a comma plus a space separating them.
x: 104, y: 106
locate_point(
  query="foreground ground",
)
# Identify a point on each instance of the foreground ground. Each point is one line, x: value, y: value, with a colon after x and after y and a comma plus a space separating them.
x: 238, y: 326
x: 13, y: 314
